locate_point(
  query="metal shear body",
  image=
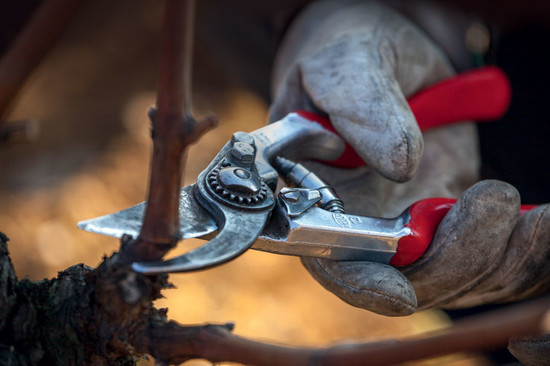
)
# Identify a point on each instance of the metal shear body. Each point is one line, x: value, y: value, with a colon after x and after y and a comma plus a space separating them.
x: 233, y: 195
x: 234, y: 206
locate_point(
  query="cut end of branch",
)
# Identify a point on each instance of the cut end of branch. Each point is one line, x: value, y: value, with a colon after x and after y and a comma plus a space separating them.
x: 194, y: 131
x: 142, y: 250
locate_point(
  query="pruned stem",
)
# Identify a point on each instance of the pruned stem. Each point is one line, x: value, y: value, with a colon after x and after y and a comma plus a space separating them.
x: 174, y: 128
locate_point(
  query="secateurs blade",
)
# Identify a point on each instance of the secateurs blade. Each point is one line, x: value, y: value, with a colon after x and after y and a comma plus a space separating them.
x: 234, y: 204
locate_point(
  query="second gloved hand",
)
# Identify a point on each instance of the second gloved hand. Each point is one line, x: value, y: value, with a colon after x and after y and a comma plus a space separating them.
x: 358, y: 61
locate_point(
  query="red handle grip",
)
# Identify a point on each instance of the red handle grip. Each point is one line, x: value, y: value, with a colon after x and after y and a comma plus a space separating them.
x: 426, y: 215
x: 482, y: 94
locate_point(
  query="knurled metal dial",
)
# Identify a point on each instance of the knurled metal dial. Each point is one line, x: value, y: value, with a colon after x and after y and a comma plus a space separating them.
x: 237, y: 185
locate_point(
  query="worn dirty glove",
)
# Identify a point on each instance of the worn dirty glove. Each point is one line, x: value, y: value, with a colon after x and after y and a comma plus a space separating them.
x: 357, y: 62
x: 531, y: 350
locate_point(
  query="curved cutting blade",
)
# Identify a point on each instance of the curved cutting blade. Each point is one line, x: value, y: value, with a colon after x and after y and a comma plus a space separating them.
x: 239, y: 227
x: 238, y: 232
x: 195, y: 221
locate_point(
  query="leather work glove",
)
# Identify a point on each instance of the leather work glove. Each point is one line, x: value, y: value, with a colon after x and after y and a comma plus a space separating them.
x: 358, y: 61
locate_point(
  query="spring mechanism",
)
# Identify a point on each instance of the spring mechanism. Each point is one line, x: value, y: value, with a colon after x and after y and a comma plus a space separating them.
x: 299, y: 176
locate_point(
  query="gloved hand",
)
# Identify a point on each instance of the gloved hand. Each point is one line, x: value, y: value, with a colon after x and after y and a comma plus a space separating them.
x: 358, y: 61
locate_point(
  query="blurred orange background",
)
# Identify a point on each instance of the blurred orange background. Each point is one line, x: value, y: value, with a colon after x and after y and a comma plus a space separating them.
x: 91, y: 158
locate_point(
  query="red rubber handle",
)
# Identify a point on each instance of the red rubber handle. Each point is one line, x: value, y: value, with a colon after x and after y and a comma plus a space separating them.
x: 482, y: 94
x: 426, y: 215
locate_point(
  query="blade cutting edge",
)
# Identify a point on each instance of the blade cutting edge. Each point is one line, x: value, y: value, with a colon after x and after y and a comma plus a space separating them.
x: 194, y: 220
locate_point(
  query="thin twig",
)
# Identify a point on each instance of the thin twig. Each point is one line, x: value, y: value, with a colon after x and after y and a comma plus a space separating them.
x: 31, y: 45
x: 174, y: 128
x: 175, y: 344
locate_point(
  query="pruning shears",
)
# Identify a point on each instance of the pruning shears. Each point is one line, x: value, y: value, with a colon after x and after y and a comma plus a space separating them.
x: 235, y: 206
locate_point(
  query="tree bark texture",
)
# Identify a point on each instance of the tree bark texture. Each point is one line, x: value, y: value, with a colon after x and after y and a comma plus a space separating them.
x: 84, y: 316
x: 105, y: 316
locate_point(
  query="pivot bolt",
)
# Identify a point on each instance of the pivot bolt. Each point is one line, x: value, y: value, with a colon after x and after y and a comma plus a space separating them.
x: 239, y: 180
x: 243, y: 152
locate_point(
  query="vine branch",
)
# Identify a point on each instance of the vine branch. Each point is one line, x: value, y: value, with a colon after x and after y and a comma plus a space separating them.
x: 25, y: 54
x: 175, y: 344
x: 173, y: 129
x: 32, y: 44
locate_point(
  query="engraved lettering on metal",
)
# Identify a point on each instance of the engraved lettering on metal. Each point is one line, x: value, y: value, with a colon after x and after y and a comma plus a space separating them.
x: 341, y: 220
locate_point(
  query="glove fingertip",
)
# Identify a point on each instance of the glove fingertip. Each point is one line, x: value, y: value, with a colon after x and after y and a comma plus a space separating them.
x: 531, y: 350
x: 372, y: 286
x: 404, y: 160
x: 390, y: 143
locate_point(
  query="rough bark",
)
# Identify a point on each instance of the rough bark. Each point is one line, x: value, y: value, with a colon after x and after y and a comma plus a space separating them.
x: 105, y: 316
x: 84, y: 316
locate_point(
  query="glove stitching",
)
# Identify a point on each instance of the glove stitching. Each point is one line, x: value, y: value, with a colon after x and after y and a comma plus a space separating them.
x: 377, y: 32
